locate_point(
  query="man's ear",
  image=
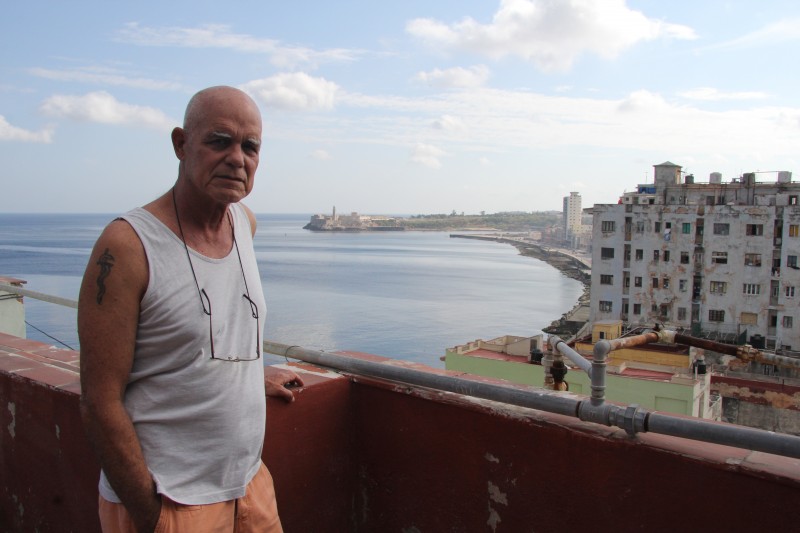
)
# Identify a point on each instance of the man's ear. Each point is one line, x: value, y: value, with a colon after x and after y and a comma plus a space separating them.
x: 178, y: 142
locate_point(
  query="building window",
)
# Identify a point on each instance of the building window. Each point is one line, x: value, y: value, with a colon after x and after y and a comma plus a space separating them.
x: 751, y: 289
x: 684, y: 258
x: 663, y: 311
x: 682, y: 285
x: 750, y: 319
x: 686, y: 228
x: 606, y: 253
x: 606, y: 279
x: 716, y: 315
x: 786, y: 322
x: 754, y: 229
x: 605, y: 306
x: 637, y: 281
x: 794, y: 230
x: 665, y: 283
x: 681, y: 313
x: 720, y: 258
x: 639, y: 226
x: 656, y: 254
x: 655, y: 283
x: 719, y: 287
x: 639, y: 255
x: 657, y: 227
x: 607, y: 226
x: 666, y: 256
x: 752, y: 260
x: 637, y: 309
x: 722, y: 228
x: 788, y: 290
x: 791, y: 261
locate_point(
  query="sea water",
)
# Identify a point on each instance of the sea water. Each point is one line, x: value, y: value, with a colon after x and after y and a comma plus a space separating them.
x: 406, y: 295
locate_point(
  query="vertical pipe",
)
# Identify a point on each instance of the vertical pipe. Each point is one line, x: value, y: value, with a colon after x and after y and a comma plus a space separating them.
x: 601, y: 349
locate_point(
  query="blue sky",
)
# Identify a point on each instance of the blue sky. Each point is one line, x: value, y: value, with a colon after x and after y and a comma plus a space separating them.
x: 399, y: 107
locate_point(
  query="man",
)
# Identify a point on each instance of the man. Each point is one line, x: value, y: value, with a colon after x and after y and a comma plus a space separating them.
x: 170, y: 319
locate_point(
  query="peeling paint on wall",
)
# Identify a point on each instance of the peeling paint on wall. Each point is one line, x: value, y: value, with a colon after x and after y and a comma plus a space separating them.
x: 496, y: 495
x: 494, y: 519
x: 11, y: 427
x: 775, y: 399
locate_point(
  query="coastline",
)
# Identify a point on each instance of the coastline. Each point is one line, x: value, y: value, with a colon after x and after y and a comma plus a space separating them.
x: 569, y: 263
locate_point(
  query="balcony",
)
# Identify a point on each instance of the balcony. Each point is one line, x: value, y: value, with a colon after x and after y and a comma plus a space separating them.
x: 362, y: 454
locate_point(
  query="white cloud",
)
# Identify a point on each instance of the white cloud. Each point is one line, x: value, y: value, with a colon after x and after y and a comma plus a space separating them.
x: 322, y: 155
x: 642, y: 101
x: 551, y: 34
x: 427, y: 155
x: 484, y: 161
x: 457, y: 77
x: 500, y: 121
x: 221, y: 36
x: 102, y: 75
x: 783, y: 31
x: 12, y: 133
x: 101, y: 107
x: 709, y: 93
x: 293, y: 91
x: 447, y: 122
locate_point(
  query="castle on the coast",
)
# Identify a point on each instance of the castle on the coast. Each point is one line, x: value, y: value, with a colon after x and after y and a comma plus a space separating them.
x: 352, y: 222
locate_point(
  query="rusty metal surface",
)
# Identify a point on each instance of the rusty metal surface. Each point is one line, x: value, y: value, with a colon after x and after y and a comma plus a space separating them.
x: 636, y: 340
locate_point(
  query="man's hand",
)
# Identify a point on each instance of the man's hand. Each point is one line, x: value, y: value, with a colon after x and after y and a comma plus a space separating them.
x: 278, y: 381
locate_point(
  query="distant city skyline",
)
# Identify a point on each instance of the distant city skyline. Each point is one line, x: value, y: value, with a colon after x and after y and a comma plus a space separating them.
x: 399, y: 108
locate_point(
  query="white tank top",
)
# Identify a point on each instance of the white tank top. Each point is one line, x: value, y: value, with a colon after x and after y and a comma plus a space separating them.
x: 200, y: 421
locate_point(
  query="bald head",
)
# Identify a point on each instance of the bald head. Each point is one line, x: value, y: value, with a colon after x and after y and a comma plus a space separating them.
x: 220, y: 96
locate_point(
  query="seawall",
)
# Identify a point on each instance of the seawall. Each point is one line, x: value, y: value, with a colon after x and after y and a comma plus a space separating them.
x: 572, y: 266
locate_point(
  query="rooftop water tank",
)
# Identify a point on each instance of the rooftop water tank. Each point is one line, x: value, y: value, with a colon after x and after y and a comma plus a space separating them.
x: 689, y: 180
x: 715, y: 178
x: 784, y: 176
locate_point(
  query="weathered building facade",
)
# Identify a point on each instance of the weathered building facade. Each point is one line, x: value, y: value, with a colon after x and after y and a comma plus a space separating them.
x: 718, y: 259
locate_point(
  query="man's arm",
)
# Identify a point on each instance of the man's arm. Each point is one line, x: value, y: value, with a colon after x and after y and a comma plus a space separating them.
x: 108, y: 315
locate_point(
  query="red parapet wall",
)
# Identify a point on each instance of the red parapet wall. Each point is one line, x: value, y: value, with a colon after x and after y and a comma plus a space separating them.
x: 365, y: 455
x: 48, y: 475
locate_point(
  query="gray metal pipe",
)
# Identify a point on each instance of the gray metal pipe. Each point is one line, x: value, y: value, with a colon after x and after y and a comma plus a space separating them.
x: 581, y: 362
x: 721, y: 433
x: 13, y: 289
x: 540, y: 399
x: 631, y: 418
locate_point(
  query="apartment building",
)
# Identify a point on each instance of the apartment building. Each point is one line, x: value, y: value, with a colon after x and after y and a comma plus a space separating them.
x: 717, y: 259
x: 571, y: 215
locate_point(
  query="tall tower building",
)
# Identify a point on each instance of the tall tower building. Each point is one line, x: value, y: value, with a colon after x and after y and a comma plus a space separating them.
x: 718, y: 259
x: 572, y: 215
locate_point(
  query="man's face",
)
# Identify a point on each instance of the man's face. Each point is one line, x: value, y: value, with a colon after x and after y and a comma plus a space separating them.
x: 220, y: 146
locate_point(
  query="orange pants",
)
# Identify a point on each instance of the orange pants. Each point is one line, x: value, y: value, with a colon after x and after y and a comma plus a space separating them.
x: 256, y: 512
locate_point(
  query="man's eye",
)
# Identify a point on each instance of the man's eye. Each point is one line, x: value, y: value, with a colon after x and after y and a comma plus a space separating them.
x: 219, y: 143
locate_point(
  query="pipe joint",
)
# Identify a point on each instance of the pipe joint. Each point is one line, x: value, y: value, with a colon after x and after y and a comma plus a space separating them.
x: 632, y: 419
x: 597, y: 413
x: 601, y: 350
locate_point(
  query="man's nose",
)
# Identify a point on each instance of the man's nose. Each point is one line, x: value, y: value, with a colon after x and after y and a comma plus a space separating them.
x: 235, y: 156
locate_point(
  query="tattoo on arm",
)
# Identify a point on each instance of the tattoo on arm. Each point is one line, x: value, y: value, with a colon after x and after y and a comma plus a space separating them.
x: 106, y: 261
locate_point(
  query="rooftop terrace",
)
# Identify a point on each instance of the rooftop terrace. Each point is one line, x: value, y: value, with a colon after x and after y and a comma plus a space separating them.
x: 363, y: 454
